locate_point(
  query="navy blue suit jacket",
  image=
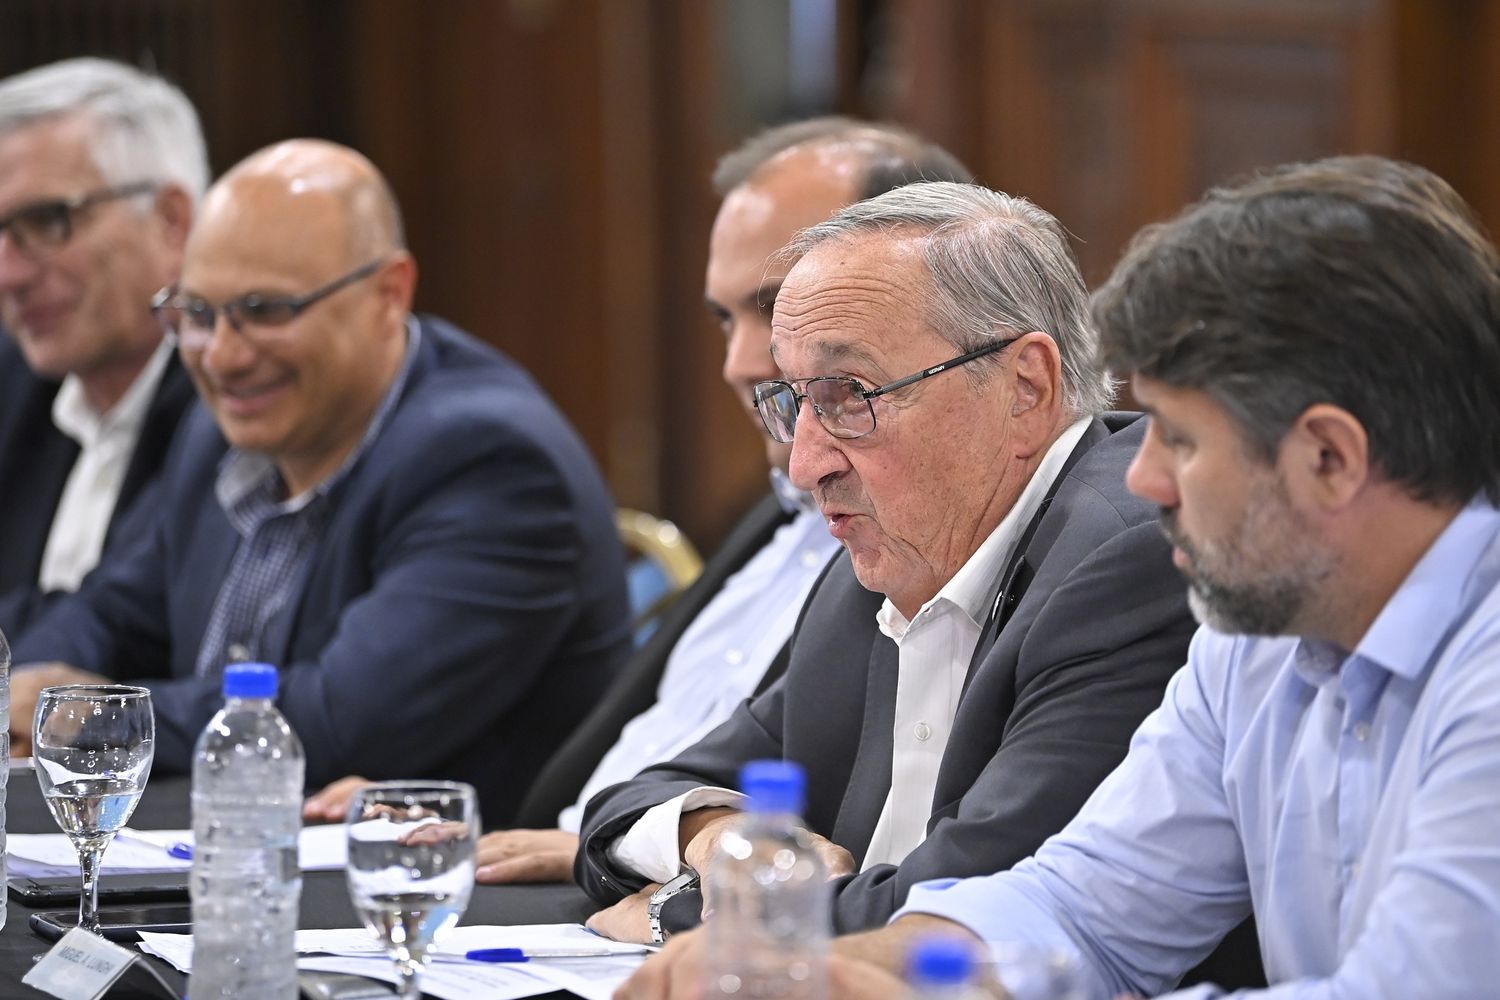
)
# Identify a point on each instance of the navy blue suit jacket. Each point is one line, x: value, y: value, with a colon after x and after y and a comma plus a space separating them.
x: 462, y: 610
x: 35, y: 460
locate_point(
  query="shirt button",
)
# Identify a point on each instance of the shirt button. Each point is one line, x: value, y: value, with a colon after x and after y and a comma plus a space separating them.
x: 1362, y: 731
x: 238, y: 652
x: 811, y: 559
x: 922, y: 731
x: 734, y: 656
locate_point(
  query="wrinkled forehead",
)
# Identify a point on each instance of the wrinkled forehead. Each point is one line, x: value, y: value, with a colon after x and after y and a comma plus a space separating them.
x: 850, y: 300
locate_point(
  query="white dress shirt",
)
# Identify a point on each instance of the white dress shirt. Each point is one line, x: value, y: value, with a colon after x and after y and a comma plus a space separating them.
x: 105, y: 441
x: 722, y: 655
x: 933, y: 653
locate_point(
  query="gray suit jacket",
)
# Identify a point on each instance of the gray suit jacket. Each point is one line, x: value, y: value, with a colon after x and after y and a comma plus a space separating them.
x: 1093, y: 620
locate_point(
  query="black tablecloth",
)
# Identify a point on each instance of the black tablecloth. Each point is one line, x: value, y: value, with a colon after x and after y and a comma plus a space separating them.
x: 325, y: 900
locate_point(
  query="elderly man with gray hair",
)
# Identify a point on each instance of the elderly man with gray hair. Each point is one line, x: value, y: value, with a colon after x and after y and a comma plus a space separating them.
x: 100, y: 168
x: 1005, y: 613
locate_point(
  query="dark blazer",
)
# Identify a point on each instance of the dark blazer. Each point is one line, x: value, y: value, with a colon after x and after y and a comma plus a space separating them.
x: 1095, y: 621
x: 35, y: 460
x: 634, y: 690
x: 463, y: 608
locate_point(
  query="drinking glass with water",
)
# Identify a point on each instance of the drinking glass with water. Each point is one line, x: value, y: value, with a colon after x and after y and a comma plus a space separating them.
x: 411, y: 866
x: 92, y: 745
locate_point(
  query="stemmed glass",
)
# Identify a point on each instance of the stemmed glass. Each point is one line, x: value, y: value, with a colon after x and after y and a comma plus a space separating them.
x: 411, y: 866
x: 92, y: 745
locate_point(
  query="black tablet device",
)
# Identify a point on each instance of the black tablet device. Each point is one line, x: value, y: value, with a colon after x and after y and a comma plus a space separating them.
x: 124, y: 887
x: 118, y: 923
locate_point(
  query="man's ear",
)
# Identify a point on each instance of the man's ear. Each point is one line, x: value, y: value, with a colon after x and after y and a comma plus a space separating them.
x: 174, y: 212
x: 1327, y: 454
x: 397, y: 285
x: 1036, y: 373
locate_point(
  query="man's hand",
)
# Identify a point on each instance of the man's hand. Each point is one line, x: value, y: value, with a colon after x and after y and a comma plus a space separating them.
x: 508, y: 856
x: 331, y: 804
x: 626, y: 920
x: 26, y: 683
x: 704, y: 844
x: 674, y: 973
x: 679, y: 972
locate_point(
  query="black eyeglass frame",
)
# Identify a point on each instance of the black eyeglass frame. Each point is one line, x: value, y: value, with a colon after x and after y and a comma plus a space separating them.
x: 66, y: 208
x: 238, y: 311
x: 765, y: 390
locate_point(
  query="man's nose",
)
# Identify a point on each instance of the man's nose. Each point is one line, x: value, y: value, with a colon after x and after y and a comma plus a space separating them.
x: 816, y: 454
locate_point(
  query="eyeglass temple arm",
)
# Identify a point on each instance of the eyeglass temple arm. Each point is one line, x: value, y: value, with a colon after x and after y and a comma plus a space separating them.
x: 962, y: 359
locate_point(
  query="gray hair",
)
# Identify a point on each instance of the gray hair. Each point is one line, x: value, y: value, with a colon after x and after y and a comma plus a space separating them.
x: 1000, y: 266
x: 143, y: 128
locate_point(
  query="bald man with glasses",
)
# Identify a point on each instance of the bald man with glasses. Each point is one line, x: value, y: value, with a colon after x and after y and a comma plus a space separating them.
x: 100, y: 168
x: 1005, y: 613
x: 389, y: 511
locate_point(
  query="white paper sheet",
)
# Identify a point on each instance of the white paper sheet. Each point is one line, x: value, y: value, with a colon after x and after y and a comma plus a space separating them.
x: 449, y: 976
x: 319, y: 848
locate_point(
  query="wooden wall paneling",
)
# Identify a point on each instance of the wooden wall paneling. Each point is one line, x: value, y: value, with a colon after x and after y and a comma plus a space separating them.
x: 935, y: 84
x: 630, y: 253
x: 713, y: 464
x: 1055, y: 119
x: 1445, y: 104
x: 1218, y: 90
x: 1483, y: 136
x: 487, y: 123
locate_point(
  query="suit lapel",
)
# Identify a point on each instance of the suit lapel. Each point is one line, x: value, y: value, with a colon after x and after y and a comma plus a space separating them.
x: 174, y: 395
x: 1023, y: 562
x: 870, y: 781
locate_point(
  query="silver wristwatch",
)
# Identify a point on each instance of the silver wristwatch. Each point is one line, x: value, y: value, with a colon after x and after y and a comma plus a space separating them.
x: 685, y: 880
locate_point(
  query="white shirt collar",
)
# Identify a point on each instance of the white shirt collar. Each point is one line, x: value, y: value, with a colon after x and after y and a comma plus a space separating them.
x: 72, y: 414
x: 975, y: 584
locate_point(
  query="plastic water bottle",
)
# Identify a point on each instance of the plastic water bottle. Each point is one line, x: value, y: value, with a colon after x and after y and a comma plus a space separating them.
x: 247, y: 810
x: 4, y: 758
x: 769, y: 896
x: 943, y: 968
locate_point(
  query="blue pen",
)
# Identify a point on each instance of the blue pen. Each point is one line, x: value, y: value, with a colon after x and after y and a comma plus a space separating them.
x: 181, y: 850
x: 527, y: 955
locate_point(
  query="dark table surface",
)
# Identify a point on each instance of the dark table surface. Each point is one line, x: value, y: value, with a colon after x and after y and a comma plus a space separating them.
x: 325, y: 900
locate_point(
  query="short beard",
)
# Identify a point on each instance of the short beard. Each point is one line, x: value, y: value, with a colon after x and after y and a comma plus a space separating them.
x: 1264, y: 575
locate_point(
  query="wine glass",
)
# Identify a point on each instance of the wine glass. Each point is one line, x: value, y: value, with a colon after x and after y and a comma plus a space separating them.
x: 411, y: 866
x: 92, y: 745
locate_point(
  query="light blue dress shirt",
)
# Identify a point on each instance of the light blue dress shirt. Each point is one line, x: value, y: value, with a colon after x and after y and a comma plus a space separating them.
x: 722, y: 656
x: 1352, y: 799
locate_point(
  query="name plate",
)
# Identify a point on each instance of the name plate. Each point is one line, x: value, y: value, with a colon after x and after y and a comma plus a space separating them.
x: 81, y: 966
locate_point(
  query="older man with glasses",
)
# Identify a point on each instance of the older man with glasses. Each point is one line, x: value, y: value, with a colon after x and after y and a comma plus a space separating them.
x: 1006, y: 613
x: 389, y: 511
x: 100, y: 167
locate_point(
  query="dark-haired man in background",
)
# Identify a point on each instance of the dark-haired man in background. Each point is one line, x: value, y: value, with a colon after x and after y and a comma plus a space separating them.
x: 1319, y: 349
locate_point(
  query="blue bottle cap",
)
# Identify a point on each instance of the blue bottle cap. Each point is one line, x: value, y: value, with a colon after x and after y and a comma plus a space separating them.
x: 250, y: 680
x: 774, y: 786
x: 939, y: 961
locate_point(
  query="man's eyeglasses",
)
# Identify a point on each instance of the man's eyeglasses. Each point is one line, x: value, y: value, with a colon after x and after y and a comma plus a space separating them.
x: 841, y: 404
x: 190, y: 320
x: 44, y: 226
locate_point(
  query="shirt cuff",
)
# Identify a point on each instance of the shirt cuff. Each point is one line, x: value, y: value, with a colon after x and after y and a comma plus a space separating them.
x: 649, y: 847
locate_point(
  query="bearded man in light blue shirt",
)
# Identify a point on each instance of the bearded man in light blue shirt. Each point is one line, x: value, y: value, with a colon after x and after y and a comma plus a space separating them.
x: 1319, y: 350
